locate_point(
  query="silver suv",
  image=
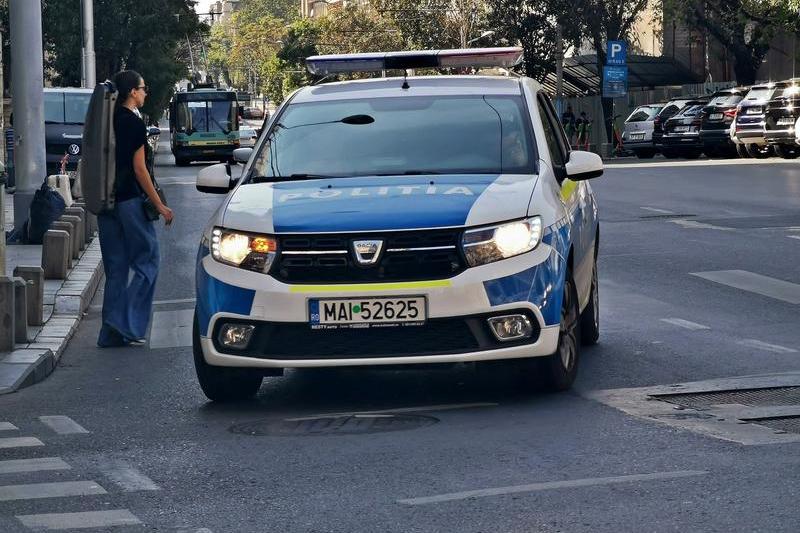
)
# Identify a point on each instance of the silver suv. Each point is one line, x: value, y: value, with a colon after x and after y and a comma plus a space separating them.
x: 638, y: 134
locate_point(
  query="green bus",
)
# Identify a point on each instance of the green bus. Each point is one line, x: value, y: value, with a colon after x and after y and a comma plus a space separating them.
x: 203, y: 125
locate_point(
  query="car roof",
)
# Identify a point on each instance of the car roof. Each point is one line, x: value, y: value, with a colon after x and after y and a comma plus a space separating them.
x: 83, y: 90
x: 419, y: 86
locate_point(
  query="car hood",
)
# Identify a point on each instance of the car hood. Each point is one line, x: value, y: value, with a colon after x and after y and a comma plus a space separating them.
x: 378, y: 203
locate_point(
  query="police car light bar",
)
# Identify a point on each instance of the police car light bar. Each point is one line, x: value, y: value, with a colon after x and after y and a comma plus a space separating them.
x: 378, y: 61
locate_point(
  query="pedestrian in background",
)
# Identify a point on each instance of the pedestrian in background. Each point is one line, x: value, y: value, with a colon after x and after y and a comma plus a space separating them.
x: 127, y: 236
x: 568, y: 122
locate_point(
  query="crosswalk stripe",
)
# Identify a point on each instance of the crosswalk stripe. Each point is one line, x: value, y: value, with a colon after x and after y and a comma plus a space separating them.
x: 686, y: 324
x: 49, y: 490
x: 761, y: 345
x: 7, y: 426
x: 20, y: 442
x: 752, y: 282
x: 89, y: 519
x: 127, y: 478
x: 63, y: 425
x: 32, y: 465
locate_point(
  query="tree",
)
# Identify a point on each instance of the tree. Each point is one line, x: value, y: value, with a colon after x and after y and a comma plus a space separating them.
x: 744, y: 27
x: 423, y: 25
x: 287, y: 10
x: 354, y: 29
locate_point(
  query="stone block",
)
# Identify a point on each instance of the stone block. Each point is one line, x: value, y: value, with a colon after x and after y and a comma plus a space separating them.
x: 63, y: 225
x: 6, y: 314
x: 77, y: 233
x: 20, y: 310
x: 81, y: 214
x: 34, y: 276
x: 56, y: 254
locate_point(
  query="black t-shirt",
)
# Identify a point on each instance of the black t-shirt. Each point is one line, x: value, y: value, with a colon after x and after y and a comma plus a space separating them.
x: 131, y: 135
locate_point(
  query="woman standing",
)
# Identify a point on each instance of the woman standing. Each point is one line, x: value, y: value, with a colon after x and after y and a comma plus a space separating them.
x: 127, y: 237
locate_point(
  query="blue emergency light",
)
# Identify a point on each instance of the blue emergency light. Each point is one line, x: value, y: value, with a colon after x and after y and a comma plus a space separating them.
x: 379, y: 61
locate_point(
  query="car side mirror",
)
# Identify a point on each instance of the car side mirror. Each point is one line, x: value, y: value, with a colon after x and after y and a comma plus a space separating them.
x: 583, y: 165
x: 214, y: 179
x: 242, y: 155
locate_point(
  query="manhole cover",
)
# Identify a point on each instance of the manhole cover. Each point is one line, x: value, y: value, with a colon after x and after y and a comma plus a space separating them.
x: 749, y: 397
x: 789, y: 424
x: 333, y: 425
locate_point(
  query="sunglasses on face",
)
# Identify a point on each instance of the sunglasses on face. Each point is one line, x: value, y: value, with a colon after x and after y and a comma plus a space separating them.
x: 144, y: 88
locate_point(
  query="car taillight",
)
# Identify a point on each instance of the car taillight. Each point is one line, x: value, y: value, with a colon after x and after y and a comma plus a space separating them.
x: 730, y: 113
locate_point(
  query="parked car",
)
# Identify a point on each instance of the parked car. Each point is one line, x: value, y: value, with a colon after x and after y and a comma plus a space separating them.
x: 782, y: 119
x: 247, y: 137
x: 716, y: 120
x: 748, y: 126
x: 681, y: 137
x: 64, y: 114
x: 672, y: 108
x: 253, y: 113
x: 638, y: 134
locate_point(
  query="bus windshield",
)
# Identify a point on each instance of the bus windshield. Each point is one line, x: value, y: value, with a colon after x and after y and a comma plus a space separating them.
x: 208, y: 116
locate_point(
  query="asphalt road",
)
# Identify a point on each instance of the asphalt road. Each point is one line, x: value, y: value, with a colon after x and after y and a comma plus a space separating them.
x: 148, y: 450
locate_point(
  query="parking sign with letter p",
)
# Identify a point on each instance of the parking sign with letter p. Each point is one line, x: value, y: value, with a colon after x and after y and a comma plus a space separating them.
x: 616, y: 52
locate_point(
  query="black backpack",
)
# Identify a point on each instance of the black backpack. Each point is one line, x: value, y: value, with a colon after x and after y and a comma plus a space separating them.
x: 47, y: 206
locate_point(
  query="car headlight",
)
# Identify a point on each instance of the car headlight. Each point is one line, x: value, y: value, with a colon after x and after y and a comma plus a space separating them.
x: 486, y: 245
x: 243, y: 250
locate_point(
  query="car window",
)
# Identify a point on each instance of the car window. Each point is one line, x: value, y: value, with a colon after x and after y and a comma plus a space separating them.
x: 642, y: 114
x: 469, y: 134
x: 669, y: 111
x: 551, y: 136
x: 690, y: 110
x: 725, y: 99
x: 759, y: 94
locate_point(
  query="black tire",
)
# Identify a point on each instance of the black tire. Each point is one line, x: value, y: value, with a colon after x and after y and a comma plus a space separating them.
x: 743, y: 151
x: 670, y: 153
x: 559, y: 370
x: 181, y: 162
x: 761, y: 151
x: 222, y: 384
x: 590, y: 317
x: 787, y: 151
x: 691, y: 153
x: 645, y: 153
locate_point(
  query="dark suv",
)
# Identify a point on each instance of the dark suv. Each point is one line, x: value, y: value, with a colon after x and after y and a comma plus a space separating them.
x: 670, y: 109
x: 64, y: 113
x: 716, y: 120
x: 681, y: 137
x: 781, y: 118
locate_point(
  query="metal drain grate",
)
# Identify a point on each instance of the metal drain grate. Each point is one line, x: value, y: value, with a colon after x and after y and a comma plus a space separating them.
x: 789, y: 424
x: 749, y: 397
x: 333, y: 425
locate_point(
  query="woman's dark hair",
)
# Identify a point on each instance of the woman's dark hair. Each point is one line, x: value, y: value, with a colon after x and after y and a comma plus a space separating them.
x: 126, y: 81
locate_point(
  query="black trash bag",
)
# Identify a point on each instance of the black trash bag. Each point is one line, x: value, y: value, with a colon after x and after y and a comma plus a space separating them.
x: 47, y: 206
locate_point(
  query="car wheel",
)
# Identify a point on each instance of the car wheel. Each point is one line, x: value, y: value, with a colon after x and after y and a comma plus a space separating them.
x: 181, y: 162
x: 690, y: 153
x: 742, y: 151
x: 559, y: 370
x: 590, y: 317
x: 222, y: 384
x: 787, y: 151
x: 759, y: 151
x: 645, y: 153
x: 670, y: 153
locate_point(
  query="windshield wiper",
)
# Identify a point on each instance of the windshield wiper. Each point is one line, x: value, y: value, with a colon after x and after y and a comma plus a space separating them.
x: 290, y: 177
x: 410, y: 173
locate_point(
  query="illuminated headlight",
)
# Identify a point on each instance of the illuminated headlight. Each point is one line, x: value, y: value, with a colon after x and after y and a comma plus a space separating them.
x: 252, y: 252
x: 486, y: 245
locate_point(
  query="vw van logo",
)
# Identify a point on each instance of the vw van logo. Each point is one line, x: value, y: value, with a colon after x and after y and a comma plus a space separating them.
x: 367, y: 252
x: 74, y: 149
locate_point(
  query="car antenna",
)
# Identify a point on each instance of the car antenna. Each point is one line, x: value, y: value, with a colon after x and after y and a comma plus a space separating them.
x: 405, y: 80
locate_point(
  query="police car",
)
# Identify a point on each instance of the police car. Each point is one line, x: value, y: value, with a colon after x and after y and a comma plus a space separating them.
x: 398, y: 221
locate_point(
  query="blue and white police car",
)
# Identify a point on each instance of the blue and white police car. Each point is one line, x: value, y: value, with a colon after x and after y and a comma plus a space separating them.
x: 398, y: 221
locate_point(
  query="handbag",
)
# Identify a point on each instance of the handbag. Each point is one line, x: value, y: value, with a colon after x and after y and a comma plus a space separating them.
x: 150, y: 210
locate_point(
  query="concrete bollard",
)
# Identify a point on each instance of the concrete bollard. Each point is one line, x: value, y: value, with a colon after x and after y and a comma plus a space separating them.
x: 56, y: 254
x: 75, y: 236
x: 81, y: 214
x: 89, y: 221
x: 63, y: 225
x: 34, y: 276
x: 20, y: 311
x: 6, y: 314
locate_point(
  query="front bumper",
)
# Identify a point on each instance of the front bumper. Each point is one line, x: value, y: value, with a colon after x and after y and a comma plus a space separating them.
x: 457, y: 310
x: 204, y: 153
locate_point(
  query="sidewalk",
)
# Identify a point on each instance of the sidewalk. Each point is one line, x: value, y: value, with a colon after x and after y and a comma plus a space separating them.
x: 65, y: 302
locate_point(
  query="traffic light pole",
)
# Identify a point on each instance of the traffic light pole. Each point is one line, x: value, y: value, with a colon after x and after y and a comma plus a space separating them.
x: 27, y: 82
x: 89, y: 65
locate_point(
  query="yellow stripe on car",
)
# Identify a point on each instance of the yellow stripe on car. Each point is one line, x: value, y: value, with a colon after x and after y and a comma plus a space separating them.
x: 567, y: 188
x: 362, y: 287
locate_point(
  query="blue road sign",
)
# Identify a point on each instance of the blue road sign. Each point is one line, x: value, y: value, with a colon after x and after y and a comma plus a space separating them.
x: 616, y: 52
x: 615, y: 81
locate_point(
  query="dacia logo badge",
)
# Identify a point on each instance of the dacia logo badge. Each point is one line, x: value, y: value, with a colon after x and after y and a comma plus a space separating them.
x: 367, y: 252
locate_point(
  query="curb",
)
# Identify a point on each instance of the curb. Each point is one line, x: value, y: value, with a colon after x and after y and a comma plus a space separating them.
x: 65, y: 302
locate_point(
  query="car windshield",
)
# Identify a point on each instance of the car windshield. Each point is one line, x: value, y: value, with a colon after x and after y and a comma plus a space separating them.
x: 759, y: 93
x: 391, y: 136
x: 725, y: 100
x: 643, y: 114
x: 690, y: 110
x: 65, y: 108
x: 790, y: 91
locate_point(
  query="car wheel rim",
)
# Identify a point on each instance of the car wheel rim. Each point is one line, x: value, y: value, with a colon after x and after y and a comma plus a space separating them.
x: 568, y: 342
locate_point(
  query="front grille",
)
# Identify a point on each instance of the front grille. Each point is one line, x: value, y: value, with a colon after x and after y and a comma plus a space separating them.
x: 406, y: 256
x: 293, y: 340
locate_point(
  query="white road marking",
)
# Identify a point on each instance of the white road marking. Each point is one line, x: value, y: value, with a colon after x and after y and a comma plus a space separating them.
x: 423, y: 408
x: 567, y: 484
x: 751, y: 282
x: 20, y: 442
x: 681, y: 323
x: 172, y: 329
x: 181, y: 301
x: 32, y: 465
x: 693, y: 224
x: 657, y: 210
x: 126, y: 477
x: 794, y: 237
x: 63, y: 425
x: 7, y: 426
x: 775, y: 348
x: 49, y: 490
x: 89, y: 519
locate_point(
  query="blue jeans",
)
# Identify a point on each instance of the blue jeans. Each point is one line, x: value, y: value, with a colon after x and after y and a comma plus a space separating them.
x: 128, y: 242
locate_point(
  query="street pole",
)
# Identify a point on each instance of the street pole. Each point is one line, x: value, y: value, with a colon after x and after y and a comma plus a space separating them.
x: 89, y: 63
x: 2, y: 177
x: 27, y: 82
